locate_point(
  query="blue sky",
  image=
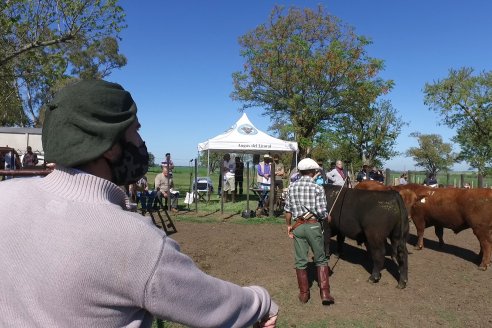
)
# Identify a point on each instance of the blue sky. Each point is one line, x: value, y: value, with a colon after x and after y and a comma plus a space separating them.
x: 181, y: 56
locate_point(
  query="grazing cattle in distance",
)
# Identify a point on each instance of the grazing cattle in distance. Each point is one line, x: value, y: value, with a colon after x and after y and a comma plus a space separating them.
x: 456, y: 209
x: 370, y: 217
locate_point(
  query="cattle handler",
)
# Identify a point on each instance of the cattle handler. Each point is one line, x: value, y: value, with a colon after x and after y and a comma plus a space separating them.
x: 306, y: 203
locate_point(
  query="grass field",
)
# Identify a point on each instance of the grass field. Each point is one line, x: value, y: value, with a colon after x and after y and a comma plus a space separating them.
x: 182, y: 176
x: 350, y: 311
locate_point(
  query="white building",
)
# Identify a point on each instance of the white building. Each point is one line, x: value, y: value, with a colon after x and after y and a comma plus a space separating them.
x: 20, y: 138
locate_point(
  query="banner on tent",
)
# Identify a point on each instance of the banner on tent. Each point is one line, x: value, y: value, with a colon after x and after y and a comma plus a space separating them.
x: 257, y: 146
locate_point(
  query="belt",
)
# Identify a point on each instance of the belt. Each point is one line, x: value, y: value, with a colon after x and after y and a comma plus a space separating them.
x: 300, y: 220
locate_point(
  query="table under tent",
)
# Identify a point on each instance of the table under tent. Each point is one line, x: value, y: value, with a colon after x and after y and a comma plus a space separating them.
x: 244, y: 138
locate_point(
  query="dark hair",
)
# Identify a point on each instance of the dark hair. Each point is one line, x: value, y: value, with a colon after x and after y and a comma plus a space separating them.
x: 168, y: 154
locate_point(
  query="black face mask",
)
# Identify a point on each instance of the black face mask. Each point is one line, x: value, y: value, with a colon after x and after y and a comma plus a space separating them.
x: 132, y: 165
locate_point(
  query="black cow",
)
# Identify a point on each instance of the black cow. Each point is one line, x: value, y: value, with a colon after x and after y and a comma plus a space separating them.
x: 370, y: 217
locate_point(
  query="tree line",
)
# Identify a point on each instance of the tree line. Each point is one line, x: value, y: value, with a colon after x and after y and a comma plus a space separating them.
x: 315, y: 80
x: 309, y: 71
x: 44, y: 45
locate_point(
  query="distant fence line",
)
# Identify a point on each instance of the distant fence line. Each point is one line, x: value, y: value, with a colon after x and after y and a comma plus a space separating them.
x: 446, y: 179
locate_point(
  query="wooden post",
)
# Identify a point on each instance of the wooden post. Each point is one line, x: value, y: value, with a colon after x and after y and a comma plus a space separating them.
x: 480, y: 181
x: 196, y: 187
x: 272, y: 188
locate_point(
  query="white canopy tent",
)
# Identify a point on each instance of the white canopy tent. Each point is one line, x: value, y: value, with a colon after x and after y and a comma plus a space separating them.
x: 244, y: 137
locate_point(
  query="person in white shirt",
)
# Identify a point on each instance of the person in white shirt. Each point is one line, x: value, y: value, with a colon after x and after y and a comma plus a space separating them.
x: 337, y: 175
x: 229, y: 183
x: 403, y: 179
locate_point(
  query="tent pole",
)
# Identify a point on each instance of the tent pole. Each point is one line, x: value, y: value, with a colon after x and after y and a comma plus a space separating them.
x: 208, y: 163
x: 247, y: 187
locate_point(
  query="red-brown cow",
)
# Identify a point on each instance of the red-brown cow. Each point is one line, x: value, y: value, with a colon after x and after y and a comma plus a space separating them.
x: 456, y: 209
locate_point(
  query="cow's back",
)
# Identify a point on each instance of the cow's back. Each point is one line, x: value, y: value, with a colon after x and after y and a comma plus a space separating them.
x: 358, y: 211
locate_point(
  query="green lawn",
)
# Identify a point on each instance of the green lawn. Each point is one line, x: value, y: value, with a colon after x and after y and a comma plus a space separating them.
x: 182, y: 177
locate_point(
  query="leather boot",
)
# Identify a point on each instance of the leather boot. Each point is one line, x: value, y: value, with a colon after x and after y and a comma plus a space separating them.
x: 302, y: 281
x: 324, y: 285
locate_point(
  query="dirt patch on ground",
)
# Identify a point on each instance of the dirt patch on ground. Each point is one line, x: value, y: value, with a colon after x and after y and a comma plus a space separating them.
x: 445, y: 289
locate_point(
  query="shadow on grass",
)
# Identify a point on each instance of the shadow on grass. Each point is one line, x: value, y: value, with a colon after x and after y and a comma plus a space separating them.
x: 465, y: 254
x: 359, y: 256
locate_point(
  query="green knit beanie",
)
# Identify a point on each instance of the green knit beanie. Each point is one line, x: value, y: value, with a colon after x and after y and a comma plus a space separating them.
x: 84, y: 120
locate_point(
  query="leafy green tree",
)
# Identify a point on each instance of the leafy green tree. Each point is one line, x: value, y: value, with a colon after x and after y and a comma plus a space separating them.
x: 215, y: 160
x: 151, y: 159
x: 304, y: 68
x: 11, y: 112
x: 367, y: 135
x: 433, y: 154
x: 43, y: 43
x: 464, y: 101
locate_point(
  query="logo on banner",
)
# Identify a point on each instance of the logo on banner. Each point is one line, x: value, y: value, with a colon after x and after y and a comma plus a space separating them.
x: 247, y: 129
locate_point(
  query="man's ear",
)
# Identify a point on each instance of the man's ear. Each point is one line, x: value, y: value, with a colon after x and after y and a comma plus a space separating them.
x: 113, y: 153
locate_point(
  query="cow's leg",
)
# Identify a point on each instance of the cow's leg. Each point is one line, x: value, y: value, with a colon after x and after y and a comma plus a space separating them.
x: 439, y: 233
x: 420, y: 226
x: 401, y: 254
x: 340, y: 243
x: 485, y: 238
x: 377, y: 250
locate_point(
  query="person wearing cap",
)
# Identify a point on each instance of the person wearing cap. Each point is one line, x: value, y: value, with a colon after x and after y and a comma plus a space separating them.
x: 320, y: 176
x: 279, y: 172
x: 168, y: 163
x: 305, y: 204
x: 403, y: 179
x: 85, y: 261
x: 263, y: 176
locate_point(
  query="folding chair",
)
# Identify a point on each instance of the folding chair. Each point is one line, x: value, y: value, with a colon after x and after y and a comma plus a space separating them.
x: 203, y: 187
x: 280, y: 197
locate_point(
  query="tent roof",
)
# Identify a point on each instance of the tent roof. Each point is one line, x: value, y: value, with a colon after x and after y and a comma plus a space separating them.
x: 244, y: 137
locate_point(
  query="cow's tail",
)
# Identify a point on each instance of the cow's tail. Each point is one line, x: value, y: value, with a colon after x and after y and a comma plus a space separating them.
x: 400, y: 247
x: 404, y: 225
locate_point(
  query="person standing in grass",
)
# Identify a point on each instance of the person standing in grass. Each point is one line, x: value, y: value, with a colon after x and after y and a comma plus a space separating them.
x: 228, y: 170
x: 239, y: 175
x: 305, y: 204
x: 83, y: 260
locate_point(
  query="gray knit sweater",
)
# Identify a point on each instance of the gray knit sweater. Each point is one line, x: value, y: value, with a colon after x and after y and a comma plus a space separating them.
x: 70, y: 256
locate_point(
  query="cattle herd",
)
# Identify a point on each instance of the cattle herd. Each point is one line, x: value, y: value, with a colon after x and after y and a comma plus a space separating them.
x: 372, y: 213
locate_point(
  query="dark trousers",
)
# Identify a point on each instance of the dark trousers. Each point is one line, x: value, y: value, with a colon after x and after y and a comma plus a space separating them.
x: 160, y: 197
x: 239, y: 186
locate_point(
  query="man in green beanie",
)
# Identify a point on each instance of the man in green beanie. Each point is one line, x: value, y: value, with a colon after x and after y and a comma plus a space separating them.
x: 83, y: 260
